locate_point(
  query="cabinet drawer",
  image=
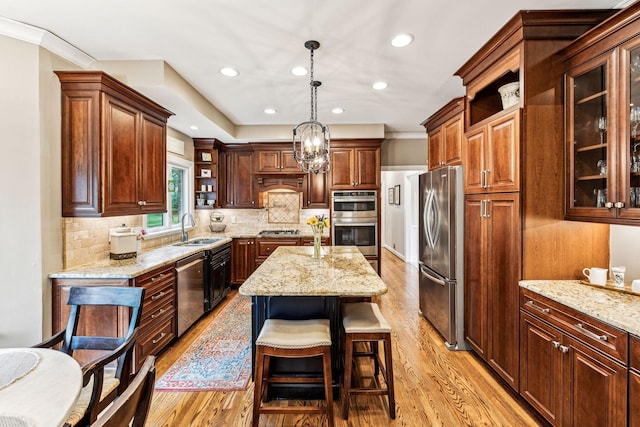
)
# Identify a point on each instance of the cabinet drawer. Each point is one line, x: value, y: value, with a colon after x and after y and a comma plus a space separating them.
x: 152, y: 316
x: 154, y: 339
x: 266, y: 248
x: 604, y: 337
x: 159, y: 275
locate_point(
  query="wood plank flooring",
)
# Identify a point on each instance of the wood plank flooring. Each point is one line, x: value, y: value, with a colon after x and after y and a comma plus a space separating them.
x: 434, y: 386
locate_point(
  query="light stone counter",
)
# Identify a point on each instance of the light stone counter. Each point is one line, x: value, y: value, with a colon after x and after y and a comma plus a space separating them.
x: 130, y: 268
x: 292, y: 271
x: 613, y: 307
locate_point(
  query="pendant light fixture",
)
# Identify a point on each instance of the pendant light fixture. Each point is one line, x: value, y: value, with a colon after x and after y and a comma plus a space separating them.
x: 311, y: 138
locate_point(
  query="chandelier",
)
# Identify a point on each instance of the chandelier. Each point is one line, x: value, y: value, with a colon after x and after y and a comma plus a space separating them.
x: 311, y: 138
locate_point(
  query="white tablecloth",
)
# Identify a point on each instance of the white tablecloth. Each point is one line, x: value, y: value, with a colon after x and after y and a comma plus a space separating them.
x: 38, y: 387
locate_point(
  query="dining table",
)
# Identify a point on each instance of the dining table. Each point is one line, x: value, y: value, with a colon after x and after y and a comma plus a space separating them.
x: 38, y: 387
x: 292, y: 284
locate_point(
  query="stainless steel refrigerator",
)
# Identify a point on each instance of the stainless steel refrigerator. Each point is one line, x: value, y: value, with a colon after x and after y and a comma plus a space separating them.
x: 441, y: 253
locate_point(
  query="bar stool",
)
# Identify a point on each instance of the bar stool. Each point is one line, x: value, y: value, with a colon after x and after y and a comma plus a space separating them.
x: 292, y: 339
x: 363, y: 322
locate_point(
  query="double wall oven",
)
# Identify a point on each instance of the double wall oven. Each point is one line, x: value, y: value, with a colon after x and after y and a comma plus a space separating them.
x: 355, y: 220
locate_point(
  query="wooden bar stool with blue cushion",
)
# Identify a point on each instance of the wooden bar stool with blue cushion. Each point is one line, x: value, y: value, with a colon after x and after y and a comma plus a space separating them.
x: 292, y: 339
x: 363, y: 322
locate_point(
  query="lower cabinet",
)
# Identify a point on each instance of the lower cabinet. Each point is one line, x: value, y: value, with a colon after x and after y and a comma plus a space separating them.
x: 634, y: 381
x: 243, y: 258
x: 157, y: 324
x: 573, y: 369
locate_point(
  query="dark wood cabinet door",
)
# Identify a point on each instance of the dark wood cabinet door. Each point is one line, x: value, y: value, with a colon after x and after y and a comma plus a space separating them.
x: 268, y: 161
x: 541, y: 367
x: 594, y: 388
x: 434, y: 155
x: 452, y: 141
x: 121, y: 157
x: 242, y: 172
x: 316, y: 191
x: 153, y: 165
x: 473, y: 154
x: 634, y: 398
x: 502, y: 216
x: 367, y: 167
x: 342, y: 166
x: 503, y: 153
x: 243, y: 257
x: 475, y: 294
x: 288, y: 163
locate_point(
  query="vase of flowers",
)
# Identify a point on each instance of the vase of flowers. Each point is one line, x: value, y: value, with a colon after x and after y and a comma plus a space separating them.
x: 317, y: 224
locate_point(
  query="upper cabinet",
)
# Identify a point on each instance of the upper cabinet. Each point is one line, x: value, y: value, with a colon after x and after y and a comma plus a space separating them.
x: 355, y: 164
x: 239, y: 188
x: 445, y: 130
x: 602, y: 139
x: 271, y: 158
x: 113, y: 148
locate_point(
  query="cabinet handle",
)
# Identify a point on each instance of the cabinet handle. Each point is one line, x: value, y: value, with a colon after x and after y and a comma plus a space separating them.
x: 482, y: 179
x: 158, y: 277
x: 268, y: 249
x: 530, y: 303
x: 482, y: 207
x: 142, y: 203
x: 564, y: 349
x: 486, y: 178
x: 156, y: 296
x: 555, y: 344
x: 608, y: 205
x: 619, y: 205
x: 591, y: 334
x: 162, y: 335
x: 157, y: 313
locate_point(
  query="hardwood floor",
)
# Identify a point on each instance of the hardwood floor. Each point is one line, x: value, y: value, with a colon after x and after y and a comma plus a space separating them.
x: 434, y: 386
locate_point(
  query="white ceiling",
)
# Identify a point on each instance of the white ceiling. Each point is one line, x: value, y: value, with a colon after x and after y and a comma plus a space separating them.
x: 265, y: 39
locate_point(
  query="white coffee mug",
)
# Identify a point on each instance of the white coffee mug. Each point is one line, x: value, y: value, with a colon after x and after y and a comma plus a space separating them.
x: 596, y: 275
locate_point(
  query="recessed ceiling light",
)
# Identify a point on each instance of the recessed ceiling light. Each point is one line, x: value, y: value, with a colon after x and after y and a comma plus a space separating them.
x: 402, y: 40
x: 380, y: 85
x: 299, y: 71
x: 194, y: 127
x: 270, y: 111
x: 337, y: 110
x: 229, y: 72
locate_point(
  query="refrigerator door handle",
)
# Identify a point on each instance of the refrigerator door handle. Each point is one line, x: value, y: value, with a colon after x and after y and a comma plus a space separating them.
x: 431, y: 219
x: 433, y: 278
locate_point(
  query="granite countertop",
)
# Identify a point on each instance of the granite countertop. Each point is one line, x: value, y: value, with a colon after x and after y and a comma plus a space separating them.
x: 613, y: 307
x: 292, y: 271
x: 143, y: 263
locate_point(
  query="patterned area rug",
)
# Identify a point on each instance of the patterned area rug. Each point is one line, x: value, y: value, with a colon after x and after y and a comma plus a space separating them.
x: 220, y: 358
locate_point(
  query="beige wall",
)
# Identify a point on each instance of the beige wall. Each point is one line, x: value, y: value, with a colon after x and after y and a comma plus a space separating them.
x: 404, y: 152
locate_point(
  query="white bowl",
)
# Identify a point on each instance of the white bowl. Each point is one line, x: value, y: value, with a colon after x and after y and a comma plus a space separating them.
x: 510, y: 94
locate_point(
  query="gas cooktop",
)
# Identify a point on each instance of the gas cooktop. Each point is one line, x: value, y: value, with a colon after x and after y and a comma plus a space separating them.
x: 279, y: 232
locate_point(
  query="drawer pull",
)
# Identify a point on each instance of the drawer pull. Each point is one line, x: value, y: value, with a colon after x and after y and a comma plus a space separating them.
x: 564, y: 349
x: 159, y: 276
x: 555, y: 344
x: 157, y: 313
x: 591, y: 334
x: 533, y: 304
x: 156, y: 296
x: 162, y: 335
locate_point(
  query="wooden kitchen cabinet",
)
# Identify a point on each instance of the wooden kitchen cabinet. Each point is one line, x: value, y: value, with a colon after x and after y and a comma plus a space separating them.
x: 445, y: 130
x: 206, y: 182
x: 113, y: 148
x: 355, y: 164
x: 634, y: 381
x: 157, y: 323
x: 492, y: 240
x: 243, y: 258
x: 272, y: 158
x: 265, y: 246
x: 316, y: 191
x: 239, y: 181
x: 573, y: 366
x: 491, y: 154
x: 602, y: 139
x: 514, y: 227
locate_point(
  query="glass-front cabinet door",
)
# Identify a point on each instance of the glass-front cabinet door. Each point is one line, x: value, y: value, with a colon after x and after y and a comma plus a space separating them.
x: 590, y: 139
x: 629, y: 153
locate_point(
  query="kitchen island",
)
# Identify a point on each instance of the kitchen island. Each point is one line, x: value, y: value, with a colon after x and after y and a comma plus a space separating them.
x: 291, y: 284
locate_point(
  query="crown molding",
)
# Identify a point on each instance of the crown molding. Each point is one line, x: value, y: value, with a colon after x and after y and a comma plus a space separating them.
x: 405, y: 135
x: 51, y: 42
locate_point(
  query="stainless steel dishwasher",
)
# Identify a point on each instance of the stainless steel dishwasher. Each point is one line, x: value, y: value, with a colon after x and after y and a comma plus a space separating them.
x: 190, y: 284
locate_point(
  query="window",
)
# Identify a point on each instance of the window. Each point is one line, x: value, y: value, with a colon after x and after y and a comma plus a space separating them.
x: 179, y: 199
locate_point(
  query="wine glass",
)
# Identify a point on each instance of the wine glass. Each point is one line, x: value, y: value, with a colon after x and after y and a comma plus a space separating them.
x: 602, y: 128
x: 634, y: 120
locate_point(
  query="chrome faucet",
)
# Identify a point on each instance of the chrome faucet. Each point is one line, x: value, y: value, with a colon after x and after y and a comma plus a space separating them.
x: 185, y: 236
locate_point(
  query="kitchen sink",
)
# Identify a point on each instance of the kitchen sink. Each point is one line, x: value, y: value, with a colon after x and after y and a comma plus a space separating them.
x: 197, y: 242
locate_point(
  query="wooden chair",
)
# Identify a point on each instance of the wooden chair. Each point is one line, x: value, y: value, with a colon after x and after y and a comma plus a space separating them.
x: 292, y: 339
x: 363, y: 322
x: 99, y: 390
x: 132, y: 407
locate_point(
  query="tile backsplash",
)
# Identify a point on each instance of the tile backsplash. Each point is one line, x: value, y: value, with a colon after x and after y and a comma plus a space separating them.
x: 86, y: 240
